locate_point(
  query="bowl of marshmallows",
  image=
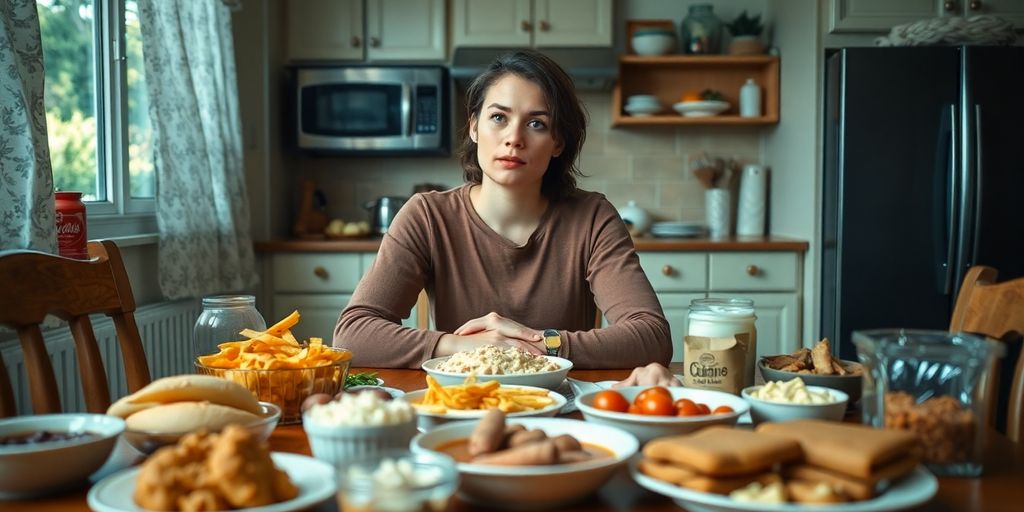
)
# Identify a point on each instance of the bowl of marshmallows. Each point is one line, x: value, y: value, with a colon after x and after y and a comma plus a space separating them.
x: 357, y: 425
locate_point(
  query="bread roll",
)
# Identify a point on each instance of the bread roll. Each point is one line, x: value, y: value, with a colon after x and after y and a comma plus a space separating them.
x: 182, y: 417
x: 187, y: 388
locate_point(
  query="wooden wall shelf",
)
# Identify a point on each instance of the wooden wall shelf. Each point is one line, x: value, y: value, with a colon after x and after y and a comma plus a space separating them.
x: 667, y: 77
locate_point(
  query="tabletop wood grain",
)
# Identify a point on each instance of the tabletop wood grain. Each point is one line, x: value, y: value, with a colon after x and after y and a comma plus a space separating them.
x: 1000, y: 488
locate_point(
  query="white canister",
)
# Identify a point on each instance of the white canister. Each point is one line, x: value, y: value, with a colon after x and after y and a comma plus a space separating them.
x: 750, y: 99
x: 753, y: 201
x: 718, y: 212
x: 726, y: 317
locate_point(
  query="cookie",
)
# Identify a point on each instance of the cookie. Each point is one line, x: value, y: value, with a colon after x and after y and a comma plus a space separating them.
x: 690, y: 479
x: 724, y: 451
x: 849, y: 449
x: 856, y: 488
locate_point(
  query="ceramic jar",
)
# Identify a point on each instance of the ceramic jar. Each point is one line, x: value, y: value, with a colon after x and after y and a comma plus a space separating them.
x: 701, y: 31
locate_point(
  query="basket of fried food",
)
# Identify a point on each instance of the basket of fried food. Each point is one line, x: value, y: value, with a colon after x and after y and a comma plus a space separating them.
x: 472, y: 399
x: 817, y: 367
x: 278, y: 368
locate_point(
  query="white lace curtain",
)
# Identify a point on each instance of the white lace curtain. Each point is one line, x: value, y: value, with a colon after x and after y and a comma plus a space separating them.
x: 26, y: 181
x: 202, y: 208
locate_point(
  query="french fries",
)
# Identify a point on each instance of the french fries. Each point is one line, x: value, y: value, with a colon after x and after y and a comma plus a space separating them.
x: 471, y: 395
x: 274, y: 348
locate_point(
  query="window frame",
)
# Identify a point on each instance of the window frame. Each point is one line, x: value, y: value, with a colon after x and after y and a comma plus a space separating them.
x: 119, y: 215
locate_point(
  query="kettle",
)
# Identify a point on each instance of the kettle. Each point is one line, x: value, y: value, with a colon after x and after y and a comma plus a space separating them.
x: 383, y: 211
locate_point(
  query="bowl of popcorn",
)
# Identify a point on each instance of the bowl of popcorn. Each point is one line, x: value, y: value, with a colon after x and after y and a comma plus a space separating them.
x: 507, y: 365
x: 397, y: 480
x: 278, y: 368
x: 779, y: 401
x: 358, y: 425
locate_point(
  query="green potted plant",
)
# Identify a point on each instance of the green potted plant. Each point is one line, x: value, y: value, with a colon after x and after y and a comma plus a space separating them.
x: 746, y: 32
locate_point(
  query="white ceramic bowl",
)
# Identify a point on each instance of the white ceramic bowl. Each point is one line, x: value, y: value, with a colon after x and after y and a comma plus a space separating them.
x: 701, y: 108
x: 52, y: 466
x: 763, y: 410
x: 531, y: 487
x: 429, y: 420
x: 653, y: 43
x: 644, y: 100
x: 646, y: 427
x: 338, y: 444
x: 642, y: 110
x: 550, y: 379
x: 148, y: 442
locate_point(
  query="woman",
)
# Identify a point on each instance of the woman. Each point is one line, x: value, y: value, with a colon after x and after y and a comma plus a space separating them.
x: 516, y: 250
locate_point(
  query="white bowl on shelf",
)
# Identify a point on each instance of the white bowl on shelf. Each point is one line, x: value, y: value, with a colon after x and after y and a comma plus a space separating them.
x: 642, y: 100
x: 701, y: 108
x: 642, y: 110
x: 653, y: 42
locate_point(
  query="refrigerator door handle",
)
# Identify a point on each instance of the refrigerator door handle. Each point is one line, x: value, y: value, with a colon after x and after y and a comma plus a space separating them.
x: 978, y: 187
x: 946, y: 175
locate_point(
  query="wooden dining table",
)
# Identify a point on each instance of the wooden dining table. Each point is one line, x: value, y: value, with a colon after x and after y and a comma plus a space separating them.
x: 1001, y: 487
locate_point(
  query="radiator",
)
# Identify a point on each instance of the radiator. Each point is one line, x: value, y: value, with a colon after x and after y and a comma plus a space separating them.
x: 166, y: 331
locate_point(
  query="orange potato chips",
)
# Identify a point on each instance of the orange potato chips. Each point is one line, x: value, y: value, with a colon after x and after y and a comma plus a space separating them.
x: 274, y: 348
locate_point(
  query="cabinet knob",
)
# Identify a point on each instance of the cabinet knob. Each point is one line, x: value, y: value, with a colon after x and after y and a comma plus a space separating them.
x: 975, y: 5
x: 356, y: 42
x: 321, y: 272
x: 949, y: 5
x: 375, y: 42
x: 544, y: 26
x: 668, y: 270
x: 525, y: 25
x: 753, y: 270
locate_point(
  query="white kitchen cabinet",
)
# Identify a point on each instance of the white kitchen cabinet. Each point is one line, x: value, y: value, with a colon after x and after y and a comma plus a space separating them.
x: 849, y: 16
x: 778, y: 321
x: 677, y: 311
x: 318, y: 285
x: 377, y: 30
x: 537, y: 23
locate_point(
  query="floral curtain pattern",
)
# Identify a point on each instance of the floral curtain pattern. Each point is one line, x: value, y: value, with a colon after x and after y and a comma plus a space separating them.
x: 202, y: 208
x: 26, y: 180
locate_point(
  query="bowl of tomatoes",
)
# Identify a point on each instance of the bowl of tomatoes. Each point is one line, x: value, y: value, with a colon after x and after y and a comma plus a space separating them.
x: 655, y: 411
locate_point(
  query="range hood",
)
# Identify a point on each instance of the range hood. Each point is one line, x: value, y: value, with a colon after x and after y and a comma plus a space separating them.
x: 592, y: 69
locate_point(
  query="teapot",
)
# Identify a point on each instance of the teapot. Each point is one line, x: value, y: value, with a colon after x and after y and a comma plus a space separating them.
x: 636, y: 218
x: 383, y: 211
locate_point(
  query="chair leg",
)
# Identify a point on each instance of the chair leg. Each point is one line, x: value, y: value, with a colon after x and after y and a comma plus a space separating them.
x: 42, y: 384
x: 90, y: 366
x: 8, y: 407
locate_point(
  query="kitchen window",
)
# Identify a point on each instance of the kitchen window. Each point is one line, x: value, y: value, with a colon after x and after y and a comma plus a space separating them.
x: 97, y: 116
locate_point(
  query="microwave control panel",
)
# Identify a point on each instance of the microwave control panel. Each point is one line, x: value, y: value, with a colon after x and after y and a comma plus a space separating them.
x: 427, y: 109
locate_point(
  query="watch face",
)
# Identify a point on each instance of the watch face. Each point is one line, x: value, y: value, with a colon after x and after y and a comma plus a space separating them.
x: 552, y: 340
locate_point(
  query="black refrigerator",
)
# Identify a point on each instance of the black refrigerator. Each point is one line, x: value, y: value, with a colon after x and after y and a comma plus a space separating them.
x: 923, y: 178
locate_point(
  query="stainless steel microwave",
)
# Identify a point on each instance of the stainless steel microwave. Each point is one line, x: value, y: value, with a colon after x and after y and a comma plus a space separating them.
x: 372, y: 109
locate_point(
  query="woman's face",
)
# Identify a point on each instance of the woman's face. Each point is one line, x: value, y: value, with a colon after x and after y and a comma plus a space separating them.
x: 514, y: 137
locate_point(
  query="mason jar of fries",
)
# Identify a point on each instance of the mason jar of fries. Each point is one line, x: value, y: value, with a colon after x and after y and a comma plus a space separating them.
x: 223, y: 317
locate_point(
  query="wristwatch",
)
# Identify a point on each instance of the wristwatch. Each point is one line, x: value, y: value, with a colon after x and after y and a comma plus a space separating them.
x: 552, y: 341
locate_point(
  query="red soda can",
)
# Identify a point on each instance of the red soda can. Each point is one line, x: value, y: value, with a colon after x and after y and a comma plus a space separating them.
x: 71, y: 237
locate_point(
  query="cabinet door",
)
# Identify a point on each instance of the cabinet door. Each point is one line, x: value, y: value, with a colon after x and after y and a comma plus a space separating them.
x: 316, y: 272
x: 753, y: 271
x: 1009, y: 10
x: 319, y: 313
x: 405, y: 30
x: 491, y: 23
x: 675, y: 271
x: 324, y: 29
x: 677, y: 310
x: 778, y: 317
x: 572, y: 23
x: 878, y: 15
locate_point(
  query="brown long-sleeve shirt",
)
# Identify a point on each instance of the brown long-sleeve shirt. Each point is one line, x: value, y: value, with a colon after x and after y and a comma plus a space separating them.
x: 579, y: 259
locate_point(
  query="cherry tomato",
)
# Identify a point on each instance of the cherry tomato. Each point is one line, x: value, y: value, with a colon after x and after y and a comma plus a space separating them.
x: 634, y: 409
x: 686, y: 407
x: 656, y: 390
x: 704, y: 409
x: 722, y: 409
x: 609, y: 400
x: 657, y: 404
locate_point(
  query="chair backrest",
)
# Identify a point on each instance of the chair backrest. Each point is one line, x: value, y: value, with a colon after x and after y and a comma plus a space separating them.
x: 37, y: 284
x: 996, y: 310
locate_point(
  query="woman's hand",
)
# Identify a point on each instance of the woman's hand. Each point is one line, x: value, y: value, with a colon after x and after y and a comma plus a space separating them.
x: 491, y: 329
x: 653, y: 374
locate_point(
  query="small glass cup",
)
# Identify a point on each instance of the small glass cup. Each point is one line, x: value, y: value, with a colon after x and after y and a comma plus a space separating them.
x: 397, y: 481
x: 933, y: 384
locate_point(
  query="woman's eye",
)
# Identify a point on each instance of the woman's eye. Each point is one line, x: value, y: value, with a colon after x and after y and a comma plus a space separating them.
x: 537, y: 124
x: 497, y: 117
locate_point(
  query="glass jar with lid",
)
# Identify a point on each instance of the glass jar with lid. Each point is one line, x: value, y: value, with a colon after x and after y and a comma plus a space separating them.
x: 718, y: 318
x: 223, y: 317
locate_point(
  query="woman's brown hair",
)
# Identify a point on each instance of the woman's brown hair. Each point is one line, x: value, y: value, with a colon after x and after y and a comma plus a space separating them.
x: 568, y: 117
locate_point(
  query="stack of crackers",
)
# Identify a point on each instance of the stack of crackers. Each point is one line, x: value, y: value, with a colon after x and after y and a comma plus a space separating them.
x: 812, y: 461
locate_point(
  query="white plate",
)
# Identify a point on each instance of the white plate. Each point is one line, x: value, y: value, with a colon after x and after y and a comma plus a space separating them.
x: 914, y: 489
x: 744, y: 418
x: 456, y: 414
x: 549, y: 380
x: 315, y: 479
x: 701, y: 108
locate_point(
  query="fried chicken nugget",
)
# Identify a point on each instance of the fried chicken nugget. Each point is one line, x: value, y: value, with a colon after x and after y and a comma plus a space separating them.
x: 244, y: 472
x: 169, y: 478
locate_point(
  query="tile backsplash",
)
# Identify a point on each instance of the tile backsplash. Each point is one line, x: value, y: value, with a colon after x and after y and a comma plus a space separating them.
x: 649, y: 165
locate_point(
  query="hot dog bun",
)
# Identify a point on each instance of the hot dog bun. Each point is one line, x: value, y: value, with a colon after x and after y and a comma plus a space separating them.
x: 180, y: 417
x: 187, y: 388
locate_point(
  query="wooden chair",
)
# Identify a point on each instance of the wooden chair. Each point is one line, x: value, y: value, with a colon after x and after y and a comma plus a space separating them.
x: 37, y: 284
x: 996, y: 310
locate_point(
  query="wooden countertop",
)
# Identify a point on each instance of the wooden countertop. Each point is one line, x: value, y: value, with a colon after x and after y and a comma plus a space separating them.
x: 746, y: 244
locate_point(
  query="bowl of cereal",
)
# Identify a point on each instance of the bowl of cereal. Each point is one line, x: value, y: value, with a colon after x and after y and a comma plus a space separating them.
x: 358, y: 425
x: 507, y: 365
x: 791, y: 400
